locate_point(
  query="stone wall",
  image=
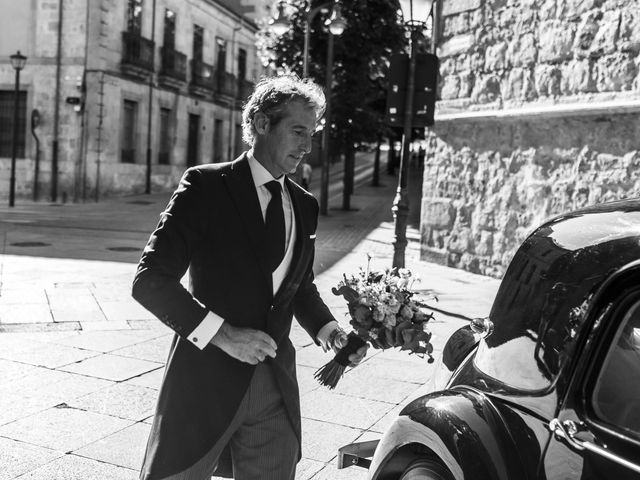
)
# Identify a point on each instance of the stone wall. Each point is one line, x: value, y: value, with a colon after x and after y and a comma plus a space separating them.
x: 538, y: 113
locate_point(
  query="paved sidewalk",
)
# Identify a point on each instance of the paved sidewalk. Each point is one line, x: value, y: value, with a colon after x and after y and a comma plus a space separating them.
x: 81, y: 362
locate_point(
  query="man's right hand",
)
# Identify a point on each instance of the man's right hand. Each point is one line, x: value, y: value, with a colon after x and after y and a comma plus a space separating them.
x: 245, y: 344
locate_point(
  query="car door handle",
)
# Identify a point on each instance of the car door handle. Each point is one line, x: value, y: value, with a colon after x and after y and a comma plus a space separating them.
x: 567, y: 431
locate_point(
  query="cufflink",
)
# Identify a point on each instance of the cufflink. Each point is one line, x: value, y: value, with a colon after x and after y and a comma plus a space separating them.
x: 311, y: 237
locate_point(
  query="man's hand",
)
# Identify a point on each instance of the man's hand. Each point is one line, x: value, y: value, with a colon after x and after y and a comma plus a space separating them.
x: 245, y: 344
x: 338, y: 339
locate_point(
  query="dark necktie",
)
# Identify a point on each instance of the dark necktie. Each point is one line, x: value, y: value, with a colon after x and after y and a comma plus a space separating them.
x: 274, y: 221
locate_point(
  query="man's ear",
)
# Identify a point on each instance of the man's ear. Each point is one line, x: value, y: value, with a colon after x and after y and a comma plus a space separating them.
x: 261, y: 122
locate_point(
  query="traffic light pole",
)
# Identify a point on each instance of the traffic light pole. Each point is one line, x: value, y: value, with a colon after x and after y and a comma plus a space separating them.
x: 400, y: 207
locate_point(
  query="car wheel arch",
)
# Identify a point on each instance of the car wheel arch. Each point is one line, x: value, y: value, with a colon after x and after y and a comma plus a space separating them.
x: 426, y: 429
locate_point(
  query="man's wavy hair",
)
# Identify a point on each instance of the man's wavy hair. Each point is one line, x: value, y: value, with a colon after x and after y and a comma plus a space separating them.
x: 272, y: 95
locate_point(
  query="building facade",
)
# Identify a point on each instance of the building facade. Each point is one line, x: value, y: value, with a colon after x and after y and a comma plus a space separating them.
x: 119, y: 97
x: 538, y: 113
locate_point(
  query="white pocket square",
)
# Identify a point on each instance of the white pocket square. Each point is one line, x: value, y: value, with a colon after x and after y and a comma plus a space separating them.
x: 311, y: 237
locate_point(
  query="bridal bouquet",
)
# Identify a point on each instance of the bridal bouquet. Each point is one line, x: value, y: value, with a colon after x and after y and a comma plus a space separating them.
x: 384, y: 313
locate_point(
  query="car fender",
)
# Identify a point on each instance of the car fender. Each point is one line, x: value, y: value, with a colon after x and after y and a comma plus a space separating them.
x: 459, y: 427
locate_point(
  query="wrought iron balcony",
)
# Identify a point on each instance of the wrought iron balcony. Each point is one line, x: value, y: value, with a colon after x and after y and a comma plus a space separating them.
x: 173, y: 64
x: 202, y: 75
x: 227, y: 84
x: 137, y: 53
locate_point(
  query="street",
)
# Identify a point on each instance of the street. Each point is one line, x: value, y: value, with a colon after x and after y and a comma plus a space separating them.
x: 81, y: 362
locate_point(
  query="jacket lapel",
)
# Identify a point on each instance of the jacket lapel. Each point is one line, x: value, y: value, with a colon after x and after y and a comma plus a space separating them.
x: 245, y: 198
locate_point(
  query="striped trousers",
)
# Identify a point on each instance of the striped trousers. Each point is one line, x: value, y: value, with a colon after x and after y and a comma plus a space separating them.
x: 263, y: 444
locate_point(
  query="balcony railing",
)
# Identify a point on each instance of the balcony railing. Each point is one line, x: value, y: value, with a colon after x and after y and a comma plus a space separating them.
x: 173, y: 64
x: 137, y: 51
x: 227, y: 84
x: 202, y: 75
x: 245, y: 87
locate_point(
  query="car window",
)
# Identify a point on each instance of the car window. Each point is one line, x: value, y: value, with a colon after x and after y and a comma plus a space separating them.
x: 616, y: 396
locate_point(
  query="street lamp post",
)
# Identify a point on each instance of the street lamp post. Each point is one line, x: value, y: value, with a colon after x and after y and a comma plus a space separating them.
x: 336, y: 23
x: 17, y: 62
x: 415, y: 13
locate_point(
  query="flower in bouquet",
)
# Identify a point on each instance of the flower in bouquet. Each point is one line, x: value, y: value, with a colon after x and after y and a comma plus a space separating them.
x: 383, y: 312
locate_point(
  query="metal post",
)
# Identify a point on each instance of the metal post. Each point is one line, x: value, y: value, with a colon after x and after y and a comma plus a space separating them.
x: 147, y: 187
x: 56, y: 111
x: 14, y: 142
x: 305, y: 52
x: 375, y: 182
x: 326, y: 134
x: 400, y: 207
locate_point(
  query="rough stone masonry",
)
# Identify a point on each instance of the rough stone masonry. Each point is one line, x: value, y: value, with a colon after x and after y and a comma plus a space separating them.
x: 538, y: 113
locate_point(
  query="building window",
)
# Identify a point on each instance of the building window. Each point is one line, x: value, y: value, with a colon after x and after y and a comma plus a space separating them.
x: 134, y: 16
x: 164, y: 150
x: 129, y: 132
x: 217, y: 141
x: 7, y: 102
x: 169, y: 35
x: 198, y: 42
x: 221, y: 46
x: 242, y: 64
x: 193, y: 140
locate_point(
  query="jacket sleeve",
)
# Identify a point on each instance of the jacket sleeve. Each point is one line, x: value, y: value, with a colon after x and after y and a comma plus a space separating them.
x: 308, y: 307
x: 167, y: 255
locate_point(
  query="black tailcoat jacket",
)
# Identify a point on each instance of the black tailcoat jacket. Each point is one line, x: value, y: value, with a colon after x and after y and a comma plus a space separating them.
x: 213, y: 227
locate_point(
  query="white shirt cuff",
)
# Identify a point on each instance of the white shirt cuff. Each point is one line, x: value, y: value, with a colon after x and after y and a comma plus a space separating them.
x: 204, y: 332
x: 323, y: 334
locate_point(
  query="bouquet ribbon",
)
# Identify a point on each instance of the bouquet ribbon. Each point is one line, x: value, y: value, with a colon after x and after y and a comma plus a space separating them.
x: 332, y: 372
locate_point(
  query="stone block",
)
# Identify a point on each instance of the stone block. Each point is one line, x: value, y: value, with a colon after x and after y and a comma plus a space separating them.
x: 453, y: 7
x: 484, y: 246
x: 486, y: 89
x: 437, y: 212
x: 555, y: 41
x: 548, y: 10
x: 606, y: 37
x: 578, y: 77
x: 586, y: 33
x: 496, y: 57
x: 523, y: 52
x: 575, y: 8
x: 547, y: 80
x: 616, y: 72
x: 629, y: 34
x: 519, y: 85
x: 455, y: 24
x: 466, y: 84
x: 450, y: 87
x: 460, y: 240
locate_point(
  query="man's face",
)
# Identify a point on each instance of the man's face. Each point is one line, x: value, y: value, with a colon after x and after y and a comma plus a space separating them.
x: 281, y: 147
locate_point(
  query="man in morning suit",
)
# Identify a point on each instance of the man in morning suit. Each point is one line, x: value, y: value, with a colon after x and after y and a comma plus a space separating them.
x: 229, y: 402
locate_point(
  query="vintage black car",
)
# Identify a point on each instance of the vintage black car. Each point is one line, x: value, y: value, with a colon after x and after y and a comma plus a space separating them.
x: 548, y: 386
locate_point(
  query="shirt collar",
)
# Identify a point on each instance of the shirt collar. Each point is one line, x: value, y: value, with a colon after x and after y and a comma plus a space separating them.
x: 260, y: 174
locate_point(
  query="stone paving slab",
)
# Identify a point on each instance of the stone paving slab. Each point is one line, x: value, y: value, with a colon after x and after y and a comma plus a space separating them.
x: 124, y: 448
x: 74, y: 467
x: 121, y: 400
x: 63, y: 429
x: 17, y: 458
x: 346, y: 410
x: 48, y: 355
x: 112, y: 367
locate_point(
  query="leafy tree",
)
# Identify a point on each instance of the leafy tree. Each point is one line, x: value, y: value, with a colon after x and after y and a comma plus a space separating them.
x: 373, y: 33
